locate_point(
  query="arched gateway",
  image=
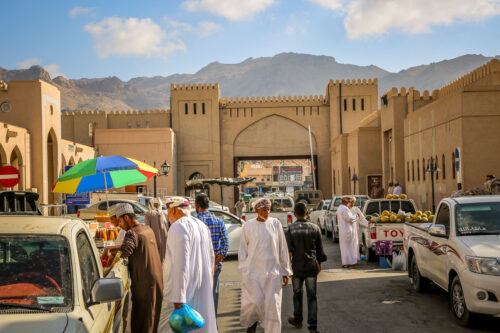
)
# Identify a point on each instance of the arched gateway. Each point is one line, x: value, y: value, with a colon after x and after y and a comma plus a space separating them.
x: 214, y: 133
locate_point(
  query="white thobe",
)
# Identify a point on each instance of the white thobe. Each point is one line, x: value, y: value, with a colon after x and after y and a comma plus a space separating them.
x: 348, y: 236
x: 188, y: 271
x: 263, y: 261
x: 398, y: 190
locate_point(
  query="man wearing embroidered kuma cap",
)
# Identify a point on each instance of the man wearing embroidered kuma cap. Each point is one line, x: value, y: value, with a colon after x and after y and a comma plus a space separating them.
x: 264, y: 264
x: 139, y: 246
x: 188, y: 267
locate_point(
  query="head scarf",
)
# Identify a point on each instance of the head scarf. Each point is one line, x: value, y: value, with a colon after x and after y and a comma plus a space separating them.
x: 158, y: 210
x: 151, y: 204
x: 261, y: 203
x: 177, y: 202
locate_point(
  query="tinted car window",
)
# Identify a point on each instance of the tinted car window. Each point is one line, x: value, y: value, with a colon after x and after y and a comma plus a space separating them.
x: 35, y: 270
x: 373, y: 207
x: 395, y: 206
x: 88, y: 265
x: 407, y: 207
x: 225, y: 218
x: 384, y: 205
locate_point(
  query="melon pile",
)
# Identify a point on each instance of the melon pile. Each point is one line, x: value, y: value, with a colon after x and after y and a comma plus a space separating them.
x: 388, y: 217
x: 395, y: 196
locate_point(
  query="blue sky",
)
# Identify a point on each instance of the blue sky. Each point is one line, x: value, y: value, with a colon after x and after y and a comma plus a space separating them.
x: 158, y: 37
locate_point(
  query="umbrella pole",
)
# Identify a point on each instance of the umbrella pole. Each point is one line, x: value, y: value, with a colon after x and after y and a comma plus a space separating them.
x: 106, y: 187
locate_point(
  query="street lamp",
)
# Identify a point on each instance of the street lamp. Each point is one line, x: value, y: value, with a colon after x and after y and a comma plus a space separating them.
x: 355, y: 179
x: 432, y: 167
x: 164, y: 170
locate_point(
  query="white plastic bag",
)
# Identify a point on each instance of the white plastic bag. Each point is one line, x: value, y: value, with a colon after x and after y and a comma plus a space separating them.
x: 399, y: 261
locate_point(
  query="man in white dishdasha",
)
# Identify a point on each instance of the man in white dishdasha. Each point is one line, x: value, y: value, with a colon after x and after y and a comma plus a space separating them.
x: 264, y: 264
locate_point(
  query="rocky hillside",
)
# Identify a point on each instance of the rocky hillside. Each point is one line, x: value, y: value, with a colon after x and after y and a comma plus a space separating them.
x: 283, y: 74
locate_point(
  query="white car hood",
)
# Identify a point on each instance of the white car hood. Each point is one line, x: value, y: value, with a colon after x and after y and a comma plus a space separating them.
x: 33, y: 322
x: 483, y: 245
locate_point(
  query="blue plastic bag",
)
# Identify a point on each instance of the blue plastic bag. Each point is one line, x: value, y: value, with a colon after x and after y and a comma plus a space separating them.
x: 185, y: 319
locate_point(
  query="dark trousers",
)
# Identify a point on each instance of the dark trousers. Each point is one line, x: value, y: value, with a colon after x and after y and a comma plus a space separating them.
x: 312, y: 304
x: 216, y: 289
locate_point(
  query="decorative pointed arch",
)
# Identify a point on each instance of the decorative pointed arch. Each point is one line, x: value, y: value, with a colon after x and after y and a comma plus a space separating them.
x: 16, y: 160
x: 273, y: 133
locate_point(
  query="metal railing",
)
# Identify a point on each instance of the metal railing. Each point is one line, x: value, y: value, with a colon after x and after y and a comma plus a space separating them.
x: 54, y: 209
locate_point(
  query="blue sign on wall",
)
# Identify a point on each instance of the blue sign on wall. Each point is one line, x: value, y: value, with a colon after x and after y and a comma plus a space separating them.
x: 77, y: 199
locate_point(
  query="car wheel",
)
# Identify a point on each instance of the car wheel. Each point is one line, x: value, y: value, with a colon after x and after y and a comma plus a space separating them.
x: 335, y: 237
x: 417, y: 281
x: 328, y: 234
x: 322, y: 231
x: 457, y: 303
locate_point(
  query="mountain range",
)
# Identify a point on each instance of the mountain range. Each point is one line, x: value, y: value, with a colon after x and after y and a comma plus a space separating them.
x: 285, y: 74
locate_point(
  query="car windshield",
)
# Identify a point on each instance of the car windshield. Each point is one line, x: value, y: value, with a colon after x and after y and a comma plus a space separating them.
x: 141, y: 207
x: 35, y: 272
x: 327, y: 203
x: 479, y: 218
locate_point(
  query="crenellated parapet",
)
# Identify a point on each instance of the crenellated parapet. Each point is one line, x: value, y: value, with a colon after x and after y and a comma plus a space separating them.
x: 354, y: 82
x: 138, y: 112
x: 113, y: 113
x: 194, y: 86
x: 260, y: 101
x: 492, y: 66
x: 84, y: 113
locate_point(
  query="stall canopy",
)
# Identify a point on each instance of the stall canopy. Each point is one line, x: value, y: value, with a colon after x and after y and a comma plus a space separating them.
x: 223, y: 181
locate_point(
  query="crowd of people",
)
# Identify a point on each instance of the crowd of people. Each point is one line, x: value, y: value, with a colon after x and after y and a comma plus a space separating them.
x: 175, y: 259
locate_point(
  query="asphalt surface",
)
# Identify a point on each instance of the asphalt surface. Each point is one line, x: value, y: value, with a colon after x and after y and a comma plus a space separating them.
x: 365, y: 299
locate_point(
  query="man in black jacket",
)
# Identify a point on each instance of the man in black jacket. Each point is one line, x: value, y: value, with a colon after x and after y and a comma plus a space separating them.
x: 306, y: 252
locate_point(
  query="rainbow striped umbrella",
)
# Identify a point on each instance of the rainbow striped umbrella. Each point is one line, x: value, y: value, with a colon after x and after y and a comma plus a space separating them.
x: 103, y: 173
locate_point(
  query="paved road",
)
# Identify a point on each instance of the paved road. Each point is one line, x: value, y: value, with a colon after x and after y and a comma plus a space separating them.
x: 365, y: 299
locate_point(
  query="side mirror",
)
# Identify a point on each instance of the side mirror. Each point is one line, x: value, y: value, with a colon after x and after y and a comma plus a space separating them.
x: 438, y: 230
x: 107, y: 290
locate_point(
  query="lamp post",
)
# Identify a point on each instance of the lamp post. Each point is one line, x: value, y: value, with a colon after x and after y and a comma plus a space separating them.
x: 432, y: 168
x: 354, y: 180
x: 164, y: 170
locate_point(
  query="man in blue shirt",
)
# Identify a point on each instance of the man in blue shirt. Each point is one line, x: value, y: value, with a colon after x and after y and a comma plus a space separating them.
x: 219, y: 238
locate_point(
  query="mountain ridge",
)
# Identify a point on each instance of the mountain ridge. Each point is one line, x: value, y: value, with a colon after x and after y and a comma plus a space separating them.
x: 283, y: 74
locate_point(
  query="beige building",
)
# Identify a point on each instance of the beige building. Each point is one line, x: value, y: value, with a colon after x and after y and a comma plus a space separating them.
x: 205, y: 135
x: 416, y: 127
x: 214, y: 133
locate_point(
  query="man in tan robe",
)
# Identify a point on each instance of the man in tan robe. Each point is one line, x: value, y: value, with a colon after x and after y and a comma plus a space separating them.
x: 156, y: 219
x: 146, y: 273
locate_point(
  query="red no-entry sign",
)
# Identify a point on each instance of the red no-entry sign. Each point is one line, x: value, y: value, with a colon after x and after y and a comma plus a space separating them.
x: 9, y: 176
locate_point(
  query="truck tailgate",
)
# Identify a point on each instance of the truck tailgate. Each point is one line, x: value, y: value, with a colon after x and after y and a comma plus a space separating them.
x: 390, y: 231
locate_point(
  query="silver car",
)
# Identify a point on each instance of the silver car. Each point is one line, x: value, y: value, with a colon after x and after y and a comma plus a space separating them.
x: 101, y: 207
x: 233, y: 227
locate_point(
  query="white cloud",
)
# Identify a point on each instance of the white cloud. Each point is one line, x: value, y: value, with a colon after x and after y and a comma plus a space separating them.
x: 53, y: 70
x: 132, y: 37
x: 375, y: 17
x: 330, y: 4
x: 80, y: 11
x: 366, y: 18
x: 28, y: 63
x: 233, y: 10
x: 207, y: 28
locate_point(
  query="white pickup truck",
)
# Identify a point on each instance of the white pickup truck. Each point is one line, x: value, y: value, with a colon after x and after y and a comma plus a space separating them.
x: 459, y: 252
x: 51, y: 276
x: 377, y: 230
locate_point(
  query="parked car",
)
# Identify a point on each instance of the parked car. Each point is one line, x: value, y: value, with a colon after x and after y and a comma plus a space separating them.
x: 101, y: 208
x: 52, y: 279
x: 330, y: 226
x: 233, y: 227
x: 460, y: 253
x: 385, y: 229
x: 318, y: 213
x: 309, y: 197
